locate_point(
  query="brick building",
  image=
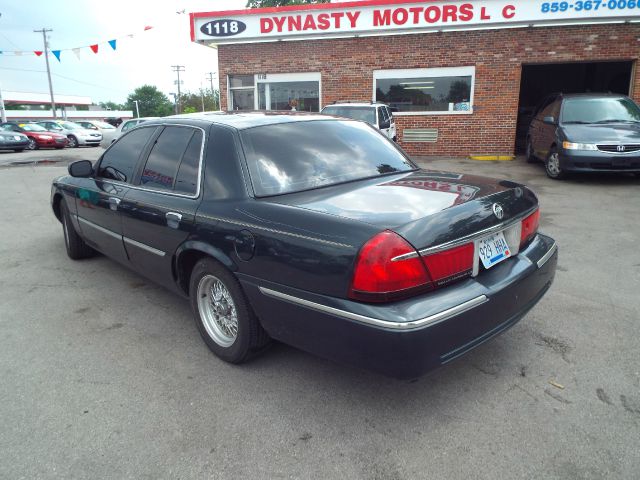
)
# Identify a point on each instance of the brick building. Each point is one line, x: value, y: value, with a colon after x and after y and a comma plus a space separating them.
x: 463, y: 79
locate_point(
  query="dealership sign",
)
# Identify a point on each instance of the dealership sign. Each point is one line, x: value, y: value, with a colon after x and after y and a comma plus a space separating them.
x: 384, y: 17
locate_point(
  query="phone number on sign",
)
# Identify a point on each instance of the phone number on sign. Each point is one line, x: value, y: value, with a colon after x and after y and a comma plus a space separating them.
x: 552, y: 7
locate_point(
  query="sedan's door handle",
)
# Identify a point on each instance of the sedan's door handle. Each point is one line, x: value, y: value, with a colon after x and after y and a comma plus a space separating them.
x: 113, y: 203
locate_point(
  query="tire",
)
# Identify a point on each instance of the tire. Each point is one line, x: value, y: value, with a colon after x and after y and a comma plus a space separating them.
x: 32, y: 144
x: 228, y: 326
x: 73, y: 142
x: 58, y: 148
x: 552, y: 165
x: 531, y: 158
x: 77, y: 249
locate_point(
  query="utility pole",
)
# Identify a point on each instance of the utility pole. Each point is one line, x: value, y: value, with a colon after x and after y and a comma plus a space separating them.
x: 178, y: 69
x: 210, y: 77
x: 46, y: 57
x: 3, y: 114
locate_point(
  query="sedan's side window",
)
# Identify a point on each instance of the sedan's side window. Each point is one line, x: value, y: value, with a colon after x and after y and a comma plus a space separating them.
x: 119, y: 162
x: 166, y: 156
x: 187, y: 179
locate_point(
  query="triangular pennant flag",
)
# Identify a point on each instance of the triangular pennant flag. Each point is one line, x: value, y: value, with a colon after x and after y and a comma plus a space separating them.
x: 76, y: 51
x: 147, y: 28
x: 56, y: 53
x: 38, y: 52
x: 113, y: 44
x: 94, y: 48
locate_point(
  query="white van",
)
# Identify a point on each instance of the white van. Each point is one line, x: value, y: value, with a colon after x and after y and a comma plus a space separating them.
x: 377, y: 114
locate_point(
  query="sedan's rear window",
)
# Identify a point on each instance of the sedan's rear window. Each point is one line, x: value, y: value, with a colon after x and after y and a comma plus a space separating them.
x: 297, y: 156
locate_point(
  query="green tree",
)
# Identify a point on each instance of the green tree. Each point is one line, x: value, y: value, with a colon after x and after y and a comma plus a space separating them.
x: 193, y: 101
x: 111, y: 105
x: 280, y: 3
x: 151, y: 102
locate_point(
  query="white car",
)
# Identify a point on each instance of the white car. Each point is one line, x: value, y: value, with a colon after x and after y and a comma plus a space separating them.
x: 377, y: 114
x: 76, y: 134
x: 113, y: 135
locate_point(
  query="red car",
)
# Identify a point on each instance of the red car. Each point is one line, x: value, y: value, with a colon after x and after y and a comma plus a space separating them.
x: 38, y: 136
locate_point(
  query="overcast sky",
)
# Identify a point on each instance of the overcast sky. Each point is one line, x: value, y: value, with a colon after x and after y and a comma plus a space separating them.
x: 109, y: 75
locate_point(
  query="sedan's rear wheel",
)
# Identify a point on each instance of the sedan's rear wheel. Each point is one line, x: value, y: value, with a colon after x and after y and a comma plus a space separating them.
x: 75, y: 245
x: 223, y: 315
x: 552, y: 166
x: 32, y: 144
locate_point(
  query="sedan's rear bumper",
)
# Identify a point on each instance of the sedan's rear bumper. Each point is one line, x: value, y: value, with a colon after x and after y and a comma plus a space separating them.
x: 407, y: 339
x: 592, y: 161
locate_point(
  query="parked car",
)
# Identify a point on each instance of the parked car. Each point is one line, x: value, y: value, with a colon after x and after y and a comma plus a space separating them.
x: 111, y: 136
x: 312, y: 230
x: 76, y: 134
x: 10, y: 140
x: 38, y: 136
x: 377, y: 114
x: 102, y: 127
x: 586, y: 133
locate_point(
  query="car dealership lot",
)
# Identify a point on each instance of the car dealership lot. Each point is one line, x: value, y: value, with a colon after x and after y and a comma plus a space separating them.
x: 105, y: 376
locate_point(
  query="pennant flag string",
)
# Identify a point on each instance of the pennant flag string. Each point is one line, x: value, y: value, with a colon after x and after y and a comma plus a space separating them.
x: 58, y: 52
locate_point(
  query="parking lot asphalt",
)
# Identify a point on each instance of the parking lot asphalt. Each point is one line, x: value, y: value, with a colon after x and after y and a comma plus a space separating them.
x: 104, y: 374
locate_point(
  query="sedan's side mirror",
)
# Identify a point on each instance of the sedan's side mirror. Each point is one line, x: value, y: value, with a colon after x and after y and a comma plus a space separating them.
x: 549, y: 120
x: 81, y: 169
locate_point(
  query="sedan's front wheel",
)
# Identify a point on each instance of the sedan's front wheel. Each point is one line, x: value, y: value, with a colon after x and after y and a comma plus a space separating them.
x: 552, y: 166
x: 32, y: 144
x: 223, y: 314
x: 73, y: 142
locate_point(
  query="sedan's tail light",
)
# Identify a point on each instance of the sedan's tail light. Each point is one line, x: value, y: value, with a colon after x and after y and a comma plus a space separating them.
x: 529, y: 227
x: 379, y: 275
x: 389, y: 268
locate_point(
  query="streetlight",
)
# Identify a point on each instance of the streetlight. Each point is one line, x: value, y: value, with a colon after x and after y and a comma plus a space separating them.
x: 137, y: 109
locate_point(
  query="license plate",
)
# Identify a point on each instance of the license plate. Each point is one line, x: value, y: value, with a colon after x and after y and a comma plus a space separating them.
x: 493, y: 250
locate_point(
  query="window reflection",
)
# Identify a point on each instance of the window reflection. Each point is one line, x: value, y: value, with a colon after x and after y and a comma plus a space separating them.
x: 299, y: 156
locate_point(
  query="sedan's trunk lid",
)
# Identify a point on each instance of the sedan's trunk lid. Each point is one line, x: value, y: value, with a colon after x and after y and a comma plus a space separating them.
x: 426, y: 207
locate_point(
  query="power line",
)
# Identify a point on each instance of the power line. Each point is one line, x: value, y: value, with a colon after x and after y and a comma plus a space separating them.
x: 64, y: 77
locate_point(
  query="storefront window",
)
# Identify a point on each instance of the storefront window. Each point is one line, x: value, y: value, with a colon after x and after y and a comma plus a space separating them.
x: 300, y: 96
x: 426, y: 91
x: 241, y: 92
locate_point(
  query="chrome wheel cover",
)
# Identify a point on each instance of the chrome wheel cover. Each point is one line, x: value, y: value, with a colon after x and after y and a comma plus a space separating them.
x: 217, y: 311
x: 553, y: 165
x: 73, y: 142
x: 32, y: 144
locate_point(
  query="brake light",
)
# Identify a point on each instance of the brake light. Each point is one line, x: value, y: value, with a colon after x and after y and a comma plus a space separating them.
x: 529, y: 227
x: 378, y: 278
x: 450, y: 265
